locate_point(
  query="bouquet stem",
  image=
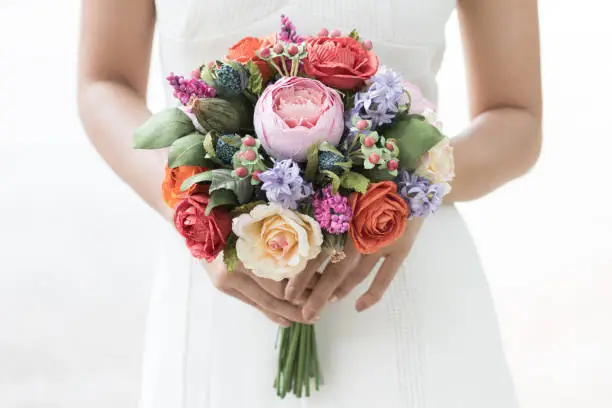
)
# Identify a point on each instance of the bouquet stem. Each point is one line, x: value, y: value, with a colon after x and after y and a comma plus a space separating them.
x: 297, y: 361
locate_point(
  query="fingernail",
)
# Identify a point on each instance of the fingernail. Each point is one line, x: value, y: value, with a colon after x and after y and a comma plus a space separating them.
x: 360, y: 306
x: 333, y: 299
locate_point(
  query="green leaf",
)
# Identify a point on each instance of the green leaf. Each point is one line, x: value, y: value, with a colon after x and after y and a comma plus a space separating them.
x: 219, y: 198
x: 414, y: 137
x: 255, y: 84
x: 230, y: 255
x: 188, y: 151
x: 377, y: 174
x: 209, y: 145
x: 328, y: 147
x: 312, y: 162
x: 355, y: 181
x: 222, y: 179
x: 354, y: 34
x: 335, y: 180
x: 162, y: 129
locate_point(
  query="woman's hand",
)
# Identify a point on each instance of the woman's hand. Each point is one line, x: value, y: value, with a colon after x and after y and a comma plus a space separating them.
x: 341, y: 278
x: 266, y: 295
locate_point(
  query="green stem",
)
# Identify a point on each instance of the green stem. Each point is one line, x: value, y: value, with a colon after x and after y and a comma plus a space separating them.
x: 307, y: 368
x: 315, y: 359
x: 289, y: 362
x: 285, y: 66
x: 302, y: 360
x: 275, y: 65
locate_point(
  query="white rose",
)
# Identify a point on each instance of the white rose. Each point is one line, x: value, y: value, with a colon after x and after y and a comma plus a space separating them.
x: 276, y: 243
x: 438, y: 164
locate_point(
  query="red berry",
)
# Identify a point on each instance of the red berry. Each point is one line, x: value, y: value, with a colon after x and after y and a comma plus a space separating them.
x: 279, y: 48
x: 390, y: 146
x: 292, y: 50
x: 367, y: 44
x: 374, y: 158
x: 250, y: 155
x: 392, y: 165
x: 239, y: 155
x: 369, y: 141
x: 264, y: 52
x: 256, y: 174
x: 323, y: 32
x: 361, y: 124
x: 335, y: 33
x: 241, y: 172
x: 248, y: 141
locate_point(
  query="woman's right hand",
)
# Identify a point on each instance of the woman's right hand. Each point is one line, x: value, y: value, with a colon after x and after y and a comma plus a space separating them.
x: 266, y: 295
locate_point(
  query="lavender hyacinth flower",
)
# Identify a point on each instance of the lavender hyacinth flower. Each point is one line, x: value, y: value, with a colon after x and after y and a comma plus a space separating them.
x: 380, y: 102
x: 423, y: 197
x: 284, y: 185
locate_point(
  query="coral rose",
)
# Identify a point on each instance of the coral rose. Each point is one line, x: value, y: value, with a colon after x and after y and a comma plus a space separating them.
x: 340, y: 62
x: 294, y: 113
x: 276, y: 243
x: 171, y: 186
x: 379, y: 217
x: 244, y: 51
x: 205, y: 235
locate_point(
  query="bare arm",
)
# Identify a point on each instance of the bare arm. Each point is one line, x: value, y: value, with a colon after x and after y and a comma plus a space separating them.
x: 501, y: 45
x: 115, y: 51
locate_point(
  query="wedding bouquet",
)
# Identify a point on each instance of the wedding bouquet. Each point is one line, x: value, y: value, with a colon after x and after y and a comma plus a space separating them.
x: 290, y: 146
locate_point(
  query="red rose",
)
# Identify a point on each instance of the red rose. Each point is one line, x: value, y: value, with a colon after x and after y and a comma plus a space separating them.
x: 339, y: 62
x: 205, y: 235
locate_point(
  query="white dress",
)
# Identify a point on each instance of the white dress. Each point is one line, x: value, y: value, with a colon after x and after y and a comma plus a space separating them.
x: 433, y: 340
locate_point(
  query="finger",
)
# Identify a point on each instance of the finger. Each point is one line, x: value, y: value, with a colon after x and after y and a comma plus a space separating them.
x: 297, y: 284
x: 361, y: 271
x: 272, y: 316
x: 313, y: 281
x: 330, y: 279
x: 275, y: 288
x: 245, y: 285
x: 303, y: 297
x: 380, y: 284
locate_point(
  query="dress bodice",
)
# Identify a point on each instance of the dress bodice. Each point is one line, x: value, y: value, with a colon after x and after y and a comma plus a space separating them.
x: 408, y: 35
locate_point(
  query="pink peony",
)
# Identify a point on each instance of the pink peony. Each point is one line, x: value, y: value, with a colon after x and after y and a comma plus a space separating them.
x: 205, y: 235
x: 294, y: 113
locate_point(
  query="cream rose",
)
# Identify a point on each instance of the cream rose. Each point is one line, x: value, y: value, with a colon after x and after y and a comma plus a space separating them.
x: 438, y: 164
x: 276, y: 243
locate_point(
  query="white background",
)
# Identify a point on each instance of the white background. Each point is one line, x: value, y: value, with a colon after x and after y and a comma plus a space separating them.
x: 74, y: 270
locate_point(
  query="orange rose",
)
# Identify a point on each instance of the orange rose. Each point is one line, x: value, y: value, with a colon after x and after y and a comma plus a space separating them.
x: 171, y: 187
x: 244, y: 51
x: 379, y: 217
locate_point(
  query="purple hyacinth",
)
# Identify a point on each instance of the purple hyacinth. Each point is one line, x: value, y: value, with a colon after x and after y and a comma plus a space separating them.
x: 185, y: 89
x: 284, y: 185
x: 287, y: 32
x: 332, y: 211
x: 423, y: 197
x: 380, y: 102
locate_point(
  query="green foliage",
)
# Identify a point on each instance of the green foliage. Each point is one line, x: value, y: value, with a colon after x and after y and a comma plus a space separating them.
x: 219, y: 198
x: 354, y: 181
x: 162, y: 129
x: 413, y: 137
x: 188, y: 151
x: 222, y: 179
x: 230, y: 255
x: 255, y: 85
x: 354, y: 34
x: 335, y: 180
x: 312, y: 162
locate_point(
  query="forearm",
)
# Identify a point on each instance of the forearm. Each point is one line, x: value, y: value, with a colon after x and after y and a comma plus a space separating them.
x: 500, y: 145
x: 110, y: 112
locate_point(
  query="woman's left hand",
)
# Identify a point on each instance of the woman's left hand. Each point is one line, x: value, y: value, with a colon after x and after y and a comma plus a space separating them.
x: 339, y: 279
